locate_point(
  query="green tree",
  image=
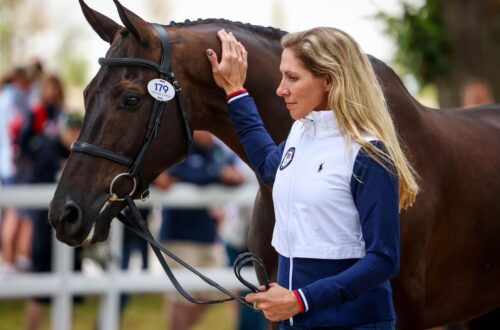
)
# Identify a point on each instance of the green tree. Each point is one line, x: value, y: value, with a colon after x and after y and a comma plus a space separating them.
x: 445, y: 43
x: 7, y: 8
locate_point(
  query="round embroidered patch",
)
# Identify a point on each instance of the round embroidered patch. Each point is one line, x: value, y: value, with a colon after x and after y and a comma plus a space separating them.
x: 287, y: 159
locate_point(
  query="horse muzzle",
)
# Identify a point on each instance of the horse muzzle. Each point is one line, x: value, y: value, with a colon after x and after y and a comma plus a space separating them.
x: 71, y: 226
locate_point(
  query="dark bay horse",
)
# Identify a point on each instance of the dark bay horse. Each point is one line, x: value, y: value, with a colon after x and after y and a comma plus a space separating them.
x: 450, y: 270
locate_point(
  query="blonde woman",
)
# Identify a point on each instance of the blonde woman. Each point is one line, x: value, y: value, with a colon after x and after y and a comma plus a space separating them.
x: 339, y: 182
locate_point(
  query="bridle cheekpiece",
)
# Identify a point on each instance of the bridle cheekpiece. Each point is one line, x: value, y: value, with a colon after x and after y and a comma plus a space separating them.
x: 165, y: 74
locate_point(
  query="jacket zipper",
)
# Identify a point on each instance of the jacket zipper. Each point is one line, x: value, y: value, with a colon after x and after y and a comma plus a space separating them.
x: 290, y: 233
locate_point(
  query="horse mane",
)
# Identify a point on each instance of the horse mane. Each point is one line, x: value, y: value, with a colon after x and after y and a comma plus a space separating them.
x: 256, y: 28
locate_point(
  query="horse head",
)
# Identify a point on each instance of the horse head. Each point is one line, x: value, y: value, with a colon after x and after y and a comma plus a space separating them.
x: 120, y: 113
x: 118, y: 122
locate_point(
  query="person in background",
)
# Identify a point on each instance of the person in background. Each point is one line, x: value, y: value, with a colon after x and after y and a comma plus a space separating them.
x: 49, y: 155
x: 15, y: 230
x: 36, y: 74
x: 6, y: 151
x: 45, y: 114
x: 37, y: 127
x: 339, y: 181
x: 192, y: 233
x: 233, y: 233
x: 476, y: 92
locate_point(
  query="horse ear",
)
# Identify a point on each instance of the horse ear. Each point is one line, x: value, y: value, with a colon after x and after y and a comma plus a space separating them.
x: 136, y: 25
x: 105, y: 27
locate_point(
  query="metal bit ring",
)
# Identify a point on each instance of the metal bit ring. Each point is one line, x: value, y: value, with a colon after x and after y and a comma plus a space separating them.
x: 114, y: 197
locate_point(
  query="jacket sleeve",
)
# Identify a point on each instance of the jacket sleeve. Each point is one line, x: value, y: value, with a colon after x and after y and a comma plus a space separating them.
x: 375, y: 194
x: 186, y: 173
x: 204, y: 175
x: 264, y: 154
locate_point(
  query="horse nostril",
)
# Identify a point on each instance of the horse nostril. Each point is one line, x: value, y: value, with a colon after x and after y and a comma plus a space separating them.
x: 71, y: 218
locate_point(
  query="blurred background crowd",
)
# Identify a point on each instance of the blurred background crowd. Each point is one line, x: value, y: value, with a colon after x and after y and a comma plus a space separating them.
x: 37, y: 131
x: 446, y: 52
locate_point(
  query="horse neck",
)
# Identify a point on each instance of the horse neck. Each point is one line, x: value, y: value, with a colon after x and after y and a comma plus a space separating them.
x: 407, y: 113
x: 207, y: 103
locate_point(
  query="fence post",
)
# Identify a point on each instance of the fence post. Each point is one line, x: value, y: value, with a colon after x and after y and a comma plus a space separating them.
x: 62, y: 304
x: 109, y: 309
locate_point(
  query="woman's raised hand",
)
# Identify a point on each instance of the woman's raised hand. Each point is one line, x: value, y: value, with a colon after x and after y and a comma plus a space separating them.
x: 231, y: 72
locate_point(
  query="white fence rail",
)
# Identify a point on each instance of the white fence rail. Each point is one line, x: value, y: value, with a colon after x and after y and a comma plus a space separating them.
x: 62, y: 284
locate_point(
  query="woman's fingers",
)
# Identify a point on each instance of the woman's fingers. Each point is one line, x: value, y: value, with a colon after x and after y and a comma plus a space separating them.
x: 237, y: 46
x: 229, y: 44
x: 232, y: 48
x: 224, y: 41
x: 212, y: 58
x: 238, y: 50
x: 242, y: 53
x: 230, y: 72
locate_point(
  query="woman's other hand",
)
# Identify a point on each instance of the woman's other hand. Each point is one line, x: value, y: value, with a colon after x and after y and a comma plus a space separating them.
x: 231, y: 72
x: 277, y: 303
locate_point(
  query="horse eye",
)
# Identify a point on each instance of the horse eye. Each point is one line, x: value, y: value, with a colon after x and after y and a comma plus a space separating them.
x: 132, y: 100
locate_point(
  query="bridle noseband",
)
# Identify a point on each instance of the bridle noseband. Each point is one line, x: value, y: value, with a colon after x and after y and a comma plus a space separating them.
x: 134, y: 165
x: 139, y: 226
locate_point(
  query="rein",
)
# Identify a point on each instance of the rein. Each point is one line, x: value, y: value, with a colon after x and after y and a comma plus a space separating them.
x: 135, y: 222
x: 140, y: 228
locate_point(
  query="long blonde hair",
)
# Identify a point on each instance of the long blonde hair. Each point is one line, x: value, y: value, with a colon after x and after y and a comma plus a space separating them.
x: 356, y: 99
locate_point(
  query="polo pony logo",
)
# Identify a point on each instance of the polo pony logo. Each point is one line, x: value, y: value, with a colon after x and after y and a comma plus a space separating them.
x: 287, y: 159
x: 320, y: 167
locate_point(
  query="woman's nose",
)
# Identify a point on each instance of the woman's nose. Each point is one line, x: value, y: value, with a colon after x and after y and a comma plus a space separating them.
x: 282, y: 90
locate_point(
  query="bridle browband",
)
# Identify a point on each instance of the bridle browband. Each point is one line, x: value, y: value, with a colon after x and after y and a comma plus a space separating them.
x: 139, y: 226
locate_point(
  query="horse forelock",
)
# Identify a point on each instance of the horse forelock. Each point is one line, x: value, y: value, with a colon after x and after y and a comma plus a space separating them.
x: 256, y: 28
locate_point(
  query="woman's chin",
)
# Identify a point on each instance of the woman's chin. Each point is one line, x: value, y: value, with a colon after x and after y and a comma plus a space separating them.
x: 296, y: 115
x: 293, y: 114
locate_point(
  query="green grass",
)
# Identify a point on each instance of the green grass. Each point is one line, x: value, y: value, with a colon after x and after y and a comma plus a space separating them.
x: 143, y: 312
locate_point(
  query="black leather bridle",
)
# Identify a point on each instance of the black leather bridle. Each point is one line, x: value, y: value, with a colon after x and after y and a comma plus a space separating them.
x: 135, y: 222
x: 134, y: 165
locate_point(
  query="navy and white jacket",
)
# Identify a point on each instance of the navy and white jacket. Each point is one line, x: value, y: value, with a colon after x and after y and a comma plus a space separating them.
x: 337, y: 217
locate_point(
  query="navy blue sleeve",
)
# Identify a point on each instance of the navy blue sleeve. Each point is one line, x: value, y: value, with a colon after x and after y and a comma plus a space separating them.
x: 264, y: 154
x: 375, y: 194
x: 185, y: 173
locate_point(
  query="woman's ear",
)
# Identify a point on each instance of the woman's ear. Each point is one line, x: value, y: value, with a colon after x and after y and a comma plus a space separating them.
x: 328, y: 83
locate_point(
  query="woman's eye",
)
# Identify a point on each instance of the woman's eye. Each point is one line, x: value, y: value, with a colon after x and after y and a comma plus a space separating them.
x: 132, y: 100
x: 293, y: 78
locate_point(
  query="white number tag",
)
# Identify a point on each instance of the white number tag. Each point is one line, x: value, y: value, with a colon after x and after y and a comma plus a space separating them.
x: 161, y: 90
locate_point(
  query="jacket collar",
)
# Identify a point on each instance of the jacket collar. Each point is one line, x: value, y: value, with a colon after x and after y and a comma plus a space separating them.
x: 322, y: 123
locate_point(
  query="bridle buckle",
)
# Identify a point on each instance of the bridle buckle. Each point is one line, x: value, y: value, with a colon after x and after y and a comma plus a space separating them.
x: 144, y: 195
x: 114, y: 197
